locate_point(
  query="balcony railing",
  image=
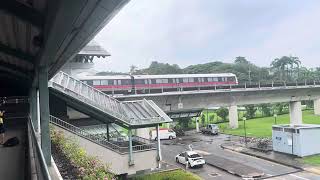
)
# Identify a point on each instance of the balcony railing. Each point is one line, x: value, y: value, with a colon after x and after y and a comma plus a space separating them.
x: 102, y: 141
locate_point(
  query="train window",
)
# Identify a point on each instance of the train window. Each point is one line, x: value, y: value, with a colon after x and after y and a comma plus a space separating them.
x: 210, y: 79
x: 180, y: 80
x: 158, y: 81
x: 125, y: 82
x: 153, y: 81
x: 191, y: 79
x: 231, y: 79
x: 215, y: 79
x: 139, y: 81
x: 185, y: 80
x: 146, y: 81
x: 170, y: 80
x: 119, y: 82
x: 197, y: 79
x: 104, y: 82
x: 205, y: 79
x: 165, y: 81
x: 220, y: 79
x: 85, y: 82
x: 96, y: 82
x: 110, y: 82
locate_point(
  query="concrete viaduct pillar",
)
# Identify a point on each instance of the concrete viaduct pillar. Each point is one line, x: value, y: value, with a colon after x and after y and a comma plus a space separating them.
x: 316, y: 106
x: 233, y: 117
x: 295, y: 112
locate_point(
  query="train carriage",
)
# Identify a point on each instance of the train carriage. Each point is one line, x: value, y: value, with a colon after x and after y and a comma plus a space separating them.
x: 124, y: 84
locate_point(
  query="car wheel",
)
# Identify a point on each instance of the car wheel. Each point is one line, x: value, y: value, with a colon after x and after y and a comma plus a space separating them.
x: 177, y: 160
x: 156, y: 138
x: 170, y: 137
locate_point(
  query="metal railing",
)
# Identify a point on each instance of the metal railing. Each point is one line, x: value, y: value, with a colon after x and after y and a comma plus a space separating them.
x: 38, y: 166
x: 100, y: 140
x: 88, y: 94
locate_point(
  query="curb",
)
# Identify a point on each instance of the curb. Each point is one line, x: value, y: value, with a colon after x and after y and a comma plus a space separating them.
x: 262, y: 157
x: 312, y: 170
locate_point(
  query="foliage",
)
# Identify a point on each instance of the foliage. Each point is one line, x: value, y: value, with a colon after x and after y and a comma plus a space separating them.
x: 280, y: 108
x: 211, y: 118
x: 184, y: 122
x: 106, y: 73
x: 160, y: 68
x: 223, y: 113
x: 266, y: 109
x: 89, y: 167
x: 312, y: 160
x: 168, y: 175
x: 250, y: 111
x: 203, y: 119
x: 262, y: 127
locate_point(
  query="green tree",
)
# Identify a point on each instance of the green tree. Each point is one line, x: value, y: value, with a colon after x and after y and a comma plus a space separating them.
x: 203, y: 119
x: 211, y: 117
x: 223, y: 113
x: 266, y: 109
x: 250, y: 111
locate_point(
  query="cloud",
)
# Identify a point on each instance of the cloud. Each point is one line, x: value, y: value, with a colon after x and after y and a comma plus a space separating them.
x: 198, y: 31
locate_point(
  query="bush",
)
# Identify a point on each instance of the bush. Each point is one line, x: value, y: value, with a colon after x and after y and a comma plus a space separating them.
x: 89, y: 167
x: 223, y: 113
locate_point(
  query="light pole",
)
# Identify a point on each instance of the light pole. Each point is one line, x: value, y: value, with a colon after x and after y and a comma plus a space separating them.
x: 245, y: 130
x: 249, y: 75
x: 275, y: 118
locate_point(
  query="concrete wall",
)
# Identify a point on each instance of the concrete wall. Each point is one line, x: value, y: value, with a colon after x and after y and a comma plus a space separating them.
x: 204, y: 99
x: 118, y: 163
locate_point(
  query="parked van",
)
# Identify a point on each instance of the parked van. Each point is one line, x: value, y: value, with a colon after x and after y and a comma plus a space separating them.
x: 164, y: 133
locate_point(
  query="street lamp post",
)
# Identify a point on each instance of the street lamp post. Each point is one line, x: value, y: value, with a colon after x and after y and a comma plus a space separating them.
x: 245, y: 130
x: 275, y: 118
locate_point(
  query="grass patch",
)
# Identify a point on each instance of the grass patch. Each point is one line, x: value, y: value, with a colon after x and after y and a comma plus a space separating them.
x: 312, y: 160
x: 262, y: 127
x: 168, y: 175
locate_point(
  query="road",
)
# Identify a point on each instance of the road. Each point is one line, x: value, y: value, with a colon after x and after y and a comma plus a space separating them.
x: 207, y: 145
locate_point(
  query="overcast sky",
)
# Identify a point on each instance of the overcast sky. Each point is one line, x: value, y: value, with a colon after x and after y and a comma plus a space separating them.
x: 186, y: 32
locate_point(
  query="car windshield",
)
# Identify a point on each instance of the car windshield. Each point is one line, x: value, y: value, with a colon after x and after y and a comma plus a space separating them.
x: 194, y: 156
x: 170, y: 130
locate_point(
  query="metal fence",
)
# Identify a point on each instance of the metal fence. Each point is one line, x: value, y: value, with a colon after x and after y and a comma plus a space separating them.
x: 87, y: 94
x: 102, y: 141
x: 38, y: 168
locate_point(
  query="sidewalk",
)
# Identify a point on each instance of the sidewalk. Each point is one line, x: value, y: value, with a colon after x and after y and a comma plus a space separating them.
x: 280, y: 158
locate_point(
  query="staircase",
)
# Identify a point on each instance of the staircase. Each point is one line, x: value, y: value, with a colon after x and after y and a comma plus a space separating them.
x: 87, y: 99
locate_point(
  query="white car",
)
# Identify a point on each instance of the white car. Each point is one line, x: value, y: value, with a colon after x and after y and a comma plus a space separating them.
x: 164, y: 133
x: 191, y: 157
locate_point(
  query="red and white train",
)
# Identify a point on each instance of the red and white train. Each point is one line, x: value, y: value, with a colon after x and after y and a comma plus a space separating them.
x: 125, y: 84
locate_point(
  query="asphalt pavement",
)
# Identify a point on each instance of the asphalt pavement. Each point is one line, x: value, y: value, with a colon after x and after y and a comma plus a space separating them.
x: 210, y: 145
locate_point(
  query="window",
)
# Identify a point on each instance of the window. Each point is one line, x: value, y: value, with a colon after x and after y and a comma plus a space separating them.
x: 139, y: 81
x: 191, y: 79
x: 194, y: 156
x: 231, y: 79
x: 158, y: 81
x: 153, y: 81
x: 219, y: 79
x: 96, y: 82
x: 170, y: 80
x: 85, y: 82
x: 180, y: 80
x: 119, y: 82
x: 110, y: 82
x: 197, y: 79
x: 210, y: 79
x: 185, y: 80
x: 104, y: 82
x: 125, y: 82
x: 215, y: 79
x: 165, y: 81
x: 205, y: 79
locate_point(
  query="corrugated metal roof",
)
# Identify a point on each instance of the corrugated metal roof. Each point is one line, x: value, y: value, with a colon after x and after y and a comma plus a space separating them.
x: 94, y: 49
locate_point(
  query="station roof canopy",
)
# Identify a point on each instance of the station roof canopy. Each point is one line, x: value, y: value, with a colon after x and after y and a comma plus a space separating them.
x: 94, y: 49
x: 36, y: 33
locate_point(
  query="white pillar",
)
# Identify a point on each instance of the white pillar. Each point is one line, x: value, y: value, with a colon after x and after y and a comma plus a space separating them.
x: 159, y: 157
x: 143, y: 132
x: 295, y: 112
x: 233, y: 117
x: 316, y: 106
x: 197, y: 124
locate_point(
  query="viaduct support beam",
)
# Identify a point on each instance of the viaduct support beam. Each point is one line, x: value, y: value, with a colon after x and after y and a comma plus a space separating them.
x: 44, y: 114
x: 233, y: 117
x: 316, y: 106
x: 295, y: 112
